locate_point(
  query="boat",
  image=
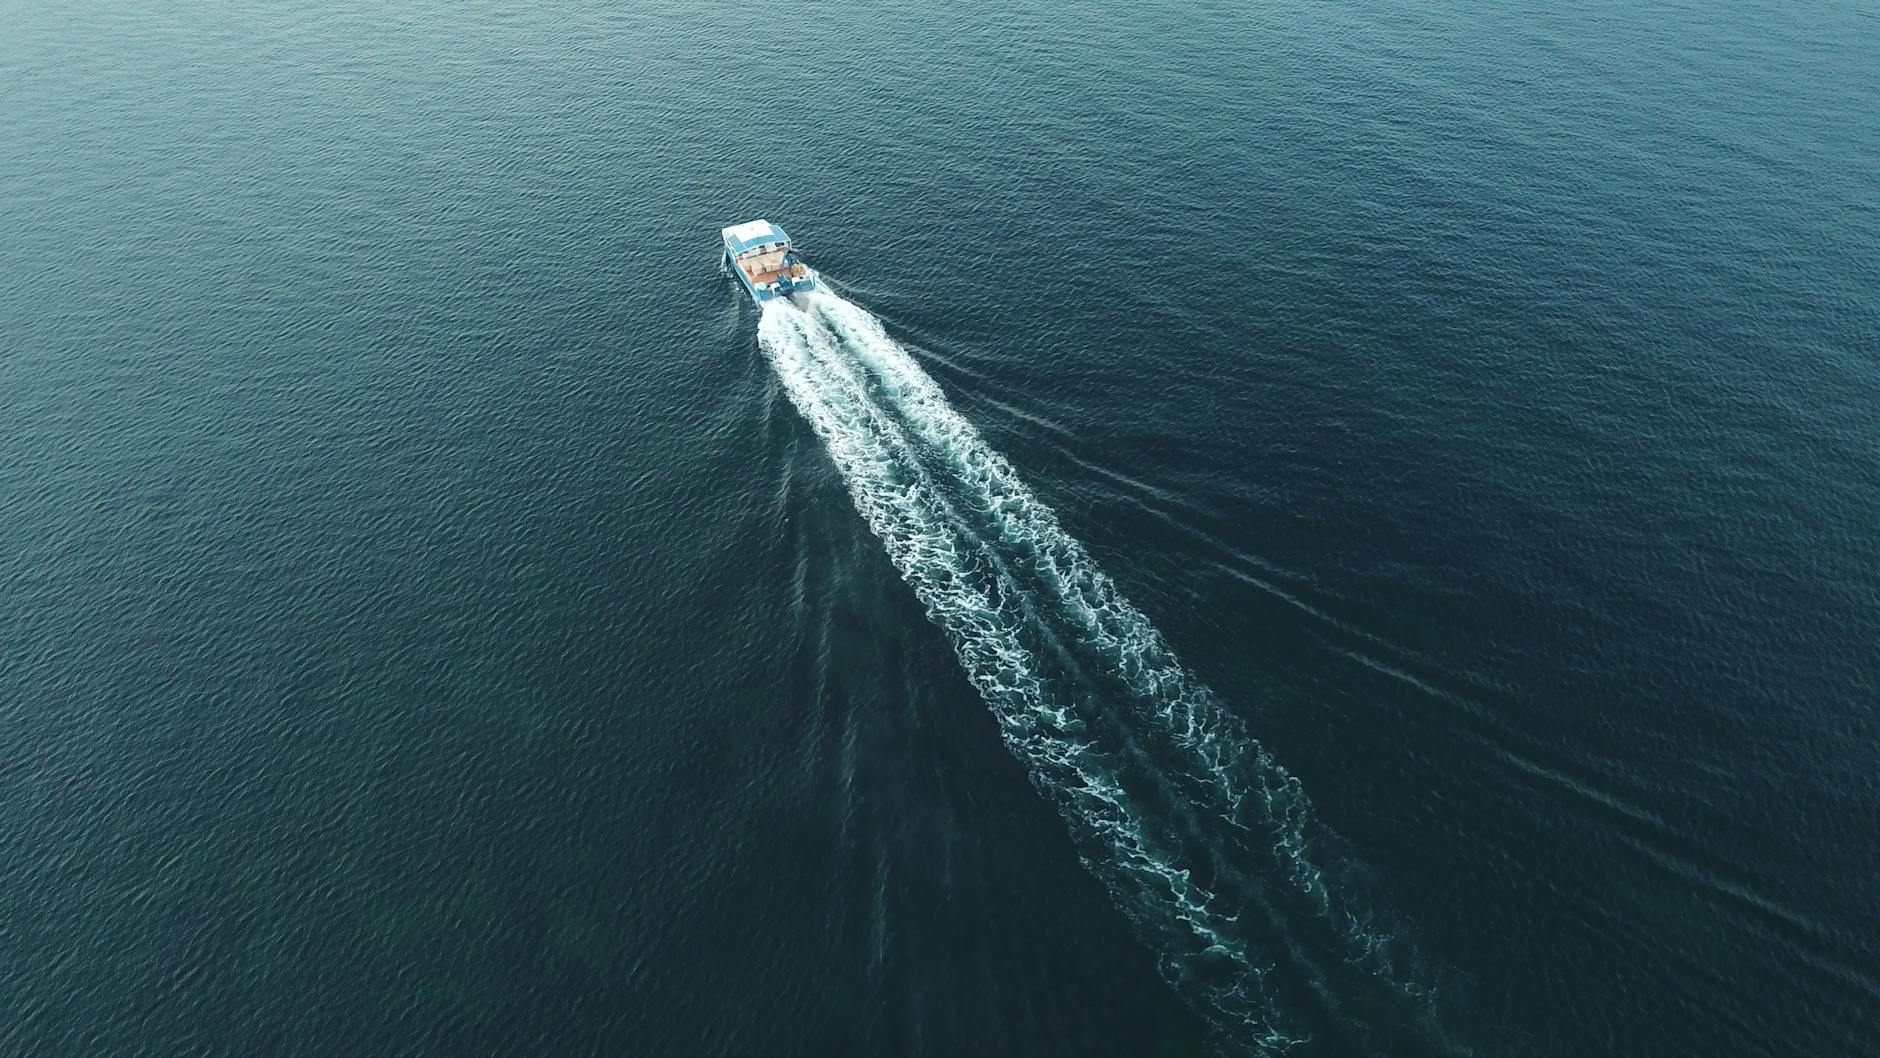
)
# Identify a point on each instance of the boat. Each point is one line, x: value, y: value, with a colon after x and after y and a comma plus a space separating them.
x: 760, y: 255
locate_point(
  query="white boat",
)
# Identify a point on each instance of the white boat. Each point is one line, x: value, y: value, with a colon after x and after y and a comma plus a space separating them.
x: 761, y: 256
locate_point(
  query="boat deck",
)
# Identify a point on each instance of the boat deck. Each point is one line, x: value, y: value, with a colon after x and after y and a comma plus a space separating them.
x: 760, y: 274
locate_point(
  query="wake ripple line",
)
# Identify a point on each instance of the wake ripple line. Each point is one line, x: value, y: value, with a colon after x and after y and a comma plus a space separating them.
x: 885, y: 424
x: 1110, y: 624
x: 1065, y: 762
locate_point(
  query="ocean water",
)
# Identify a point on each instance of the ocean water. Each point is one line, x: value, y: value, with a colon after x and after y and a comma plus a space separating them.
x: 1322, y: 528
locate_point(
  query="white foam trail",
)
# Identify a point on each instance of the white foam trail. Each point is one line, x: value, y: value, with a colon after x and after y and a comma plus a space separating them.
x: 991, y: 565
x: 1235, y: 764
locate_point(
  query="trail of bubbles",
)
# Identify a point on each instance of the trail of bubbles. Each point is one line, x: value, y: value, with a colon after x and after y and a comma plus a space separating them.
x: 1234, y: 765
x: 1204, y: 840
x: 1132, y: 853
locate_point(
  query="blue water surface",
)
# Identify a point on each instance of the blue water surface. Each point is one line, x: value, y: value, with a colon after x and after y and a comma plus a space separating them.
x: 429, y: 627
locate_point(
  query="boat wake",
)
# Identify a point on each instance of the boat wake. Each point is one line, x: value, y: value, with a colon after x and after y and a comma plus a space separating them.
x: 1204, y: 841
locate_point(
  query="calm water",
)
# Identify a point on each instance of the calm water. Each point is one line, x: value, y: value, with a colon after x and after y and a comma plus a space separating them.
x: 1320, y: 526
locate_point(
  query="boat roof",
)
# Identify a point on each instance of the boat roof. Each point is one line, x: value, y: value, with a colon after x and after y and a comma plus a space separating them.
x: 741, y: 237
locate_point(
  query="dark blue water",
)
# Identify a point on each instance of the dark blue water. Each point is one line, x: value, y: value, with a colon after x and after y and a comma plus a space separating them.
x: 1327, y: 527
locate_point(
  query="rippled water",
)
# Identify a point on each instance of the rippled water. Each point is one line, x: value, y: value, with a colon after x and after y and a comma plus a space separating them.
x: 1335, y: 527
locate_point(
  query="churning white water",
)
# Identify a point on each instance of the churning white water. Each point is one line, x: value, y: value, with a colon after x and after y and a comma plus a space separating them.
x: 1203, y: 840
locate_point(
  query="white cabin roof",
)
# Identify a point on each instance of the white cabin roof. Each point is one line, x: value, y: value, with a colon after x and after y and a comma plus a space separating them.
x: 752, y: 231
